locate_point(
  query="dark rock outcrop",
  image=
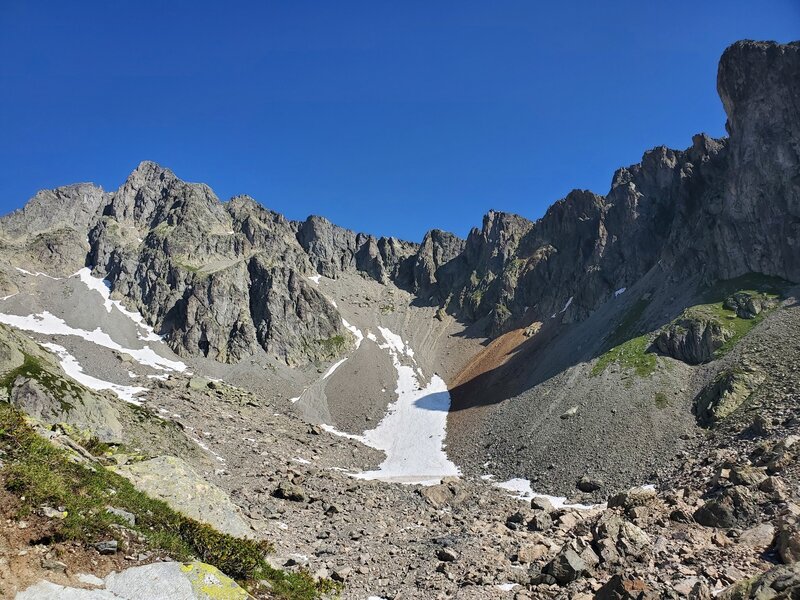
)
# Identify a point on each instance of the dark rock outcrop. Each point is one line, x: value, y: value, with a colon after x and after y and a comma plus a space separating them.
x: 693, y: 339
x: 727, y: 392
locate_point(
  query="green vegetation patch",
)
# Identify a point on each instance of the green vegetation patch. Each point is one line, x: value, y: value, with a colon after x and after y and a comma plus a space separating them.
x: 661, y: 400
x: 632, y: 354
x: 753, y: 283
x: 333, y: 345
x: 627, y: 327
x: 42, y: 475
x: 626, y: 348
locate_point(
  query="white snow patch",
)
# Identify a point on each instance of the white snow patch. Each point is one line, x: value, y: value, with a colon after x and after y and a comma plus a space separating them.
x: 413, y: 430
x: 394, y: 343
x: 9, y: 296
x: 506, y: 587
x: 566, y: 306
x: 295, y: 399
x: 315, y: 278
x: 73, y: 369
x: 302, y: 461
x: 37, y: 274
x: 355, y: 331
x: 103, y: 287
x: 197, y: 441
x: 522, y: 490
x: 359, y: 438
x: 371, y: 336
x: 619, y: 292
x: 48, y: 324
x: 333, y: 367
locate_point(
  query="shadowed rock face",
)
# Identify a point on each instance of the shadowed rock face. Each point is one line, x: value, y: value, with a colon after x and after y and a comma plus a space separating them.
x: 228, y: 280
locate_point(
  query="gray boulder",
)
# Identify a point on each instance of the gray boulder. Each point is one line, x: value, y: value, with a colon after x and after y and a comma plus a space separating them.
x: 693, y: 339
x: 726, y: 393
x: 733, y: 507
x: 158, y: 581
x: 172, y: 480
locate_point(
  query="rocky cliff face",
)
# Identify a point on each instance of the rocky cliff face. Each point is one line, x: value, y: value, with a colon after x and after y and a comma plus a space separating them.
x: 720, y: 208
x: 228, y: 280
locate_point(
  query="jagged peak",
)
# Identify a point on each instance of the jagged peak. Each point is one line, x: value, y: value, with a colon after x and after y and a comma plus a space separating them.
x: 150, y: 171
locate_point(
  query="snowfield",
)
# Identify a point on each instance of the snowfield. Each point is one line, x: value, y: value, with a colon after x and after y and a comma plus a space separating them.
x: 412, y: 432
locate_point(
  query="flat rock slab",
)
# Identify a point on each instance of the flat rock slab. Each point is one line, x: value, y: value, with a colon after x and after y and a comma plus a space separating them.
x: 158, y: 581
x: 176, y: 483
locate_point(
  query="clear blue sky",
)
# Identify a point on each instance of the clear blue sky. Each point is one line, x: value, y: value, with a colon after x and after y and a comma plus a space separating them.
x: 386, y: 117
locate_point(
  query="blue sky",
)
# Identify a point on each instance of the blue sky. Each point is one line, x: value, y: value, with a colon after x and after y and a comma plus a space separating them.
x: 386, y: 117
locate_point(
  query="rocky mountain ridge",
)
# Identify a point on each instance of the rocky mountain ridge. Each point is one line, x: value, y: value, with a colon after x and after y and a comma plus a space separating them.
x: 228, y: 280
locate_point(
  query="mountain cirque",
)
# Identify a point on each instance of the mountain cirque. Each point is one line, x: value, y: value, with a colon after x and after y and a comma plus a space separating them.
x: 648, y: 336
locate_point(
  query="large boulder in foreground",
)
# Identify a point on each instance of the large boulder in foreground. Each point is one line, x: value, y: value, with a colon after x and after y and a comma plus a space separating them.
x: 172, y: 480
x: 158, y: 581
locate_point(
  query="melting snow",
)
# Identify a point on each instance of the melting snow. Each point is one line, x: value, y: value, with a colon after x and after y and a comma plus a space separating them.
x: 333, y: 368
x: 102, y: 287
x: 355, y: 331
x: 48, y: 324
x: 523, y: 491
x: 73, y: 368
x: 349, y: 436
x: 619, y: 292
x: 413, y: 430
x: 37, y: 274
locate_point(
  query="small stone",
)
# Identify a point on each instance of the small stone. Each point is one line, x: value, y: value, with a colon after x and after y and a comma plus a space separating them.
x: 531, y: 553
x: 291, y: 492
x: 126, y: 516
x: 52, y: 513
x: 341, y: 574
x: 758, y: 537
x: 542, y: 503
x: 589, y: 484
x: 106, y: 547
x: 570, y: 413
x: 566, y: 566
x: 447, y: 555
x: 540, y: 521
x: 54, y: 565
